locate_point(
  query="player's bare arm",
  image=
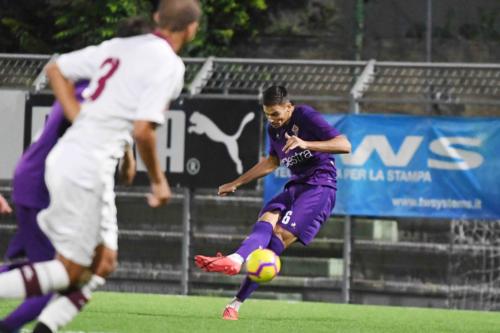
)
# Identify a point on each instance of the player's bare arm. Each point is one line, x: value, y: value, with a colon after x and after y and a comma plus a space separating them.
x: 128, y: 167
x: 145, y: 138
x: 337, y: 145
x: 4, y: 206
x: 264, y: 167
x: 64, y: 90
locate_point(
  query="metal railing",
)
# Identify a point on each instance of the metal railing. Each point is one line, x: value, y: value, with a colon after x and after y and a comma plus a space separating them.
x: 319, y: 80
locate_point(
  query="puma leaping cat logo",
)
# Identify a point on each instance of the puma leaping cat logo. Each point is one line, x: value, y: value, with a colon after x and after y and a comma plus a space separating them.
x: 201, y: 124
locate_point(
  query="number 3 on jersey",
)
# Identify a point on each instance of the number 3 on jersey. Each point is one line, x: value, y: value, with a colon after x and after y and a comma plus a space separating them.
x: 287, y: 217
x: 107, y: 68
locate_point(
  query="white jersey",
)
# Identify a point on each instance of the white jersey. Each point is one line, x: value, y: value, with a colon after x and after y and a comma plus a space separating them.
x: 131, y: 79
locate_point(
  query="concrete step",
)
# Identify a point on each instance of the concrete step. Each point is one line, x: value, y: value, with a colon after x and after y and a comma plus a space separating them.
x: 300, y: 266
x: 402, y: 261
x: 371, y: 260
x: 377, y: 263
x: 134, y: 272
x: 133, y: 277
x: 363, y: 229
x: 218, y: 216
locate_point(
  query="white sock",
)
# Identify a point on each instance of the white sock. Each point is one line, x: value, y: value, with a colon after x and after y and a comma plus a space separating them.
x: 235, y: 304
x: 236, y: 257
x: 12, y: 284
x: 95, y: 282
x: 52, y: 276
x: 60, y: 311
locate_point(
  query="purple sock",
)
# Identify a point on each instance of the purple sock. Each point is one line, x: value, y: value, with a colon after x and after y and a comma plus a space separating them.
x: 276, y: 245
x: 248, y: 286
x: 26, y: 312
x: 258, y: 238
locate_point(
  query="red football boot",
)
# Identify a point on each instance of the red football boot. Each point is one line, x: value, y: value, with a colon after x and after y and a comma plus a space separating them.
x: 220, y: 264
x: 230, y: 313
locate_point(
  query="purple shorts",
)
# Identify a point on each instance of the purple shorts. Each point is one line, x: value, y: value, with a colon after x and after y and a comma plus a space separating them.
x: 303, y: 209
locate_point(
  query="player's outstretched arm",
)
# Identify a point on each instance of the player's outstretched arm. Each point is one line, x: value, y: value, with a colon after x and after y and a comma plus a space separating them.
x: 145, y: 138
x: 64, y: 90
x: 337, y: 145
x: 264, y: 167
x: 4, y: 206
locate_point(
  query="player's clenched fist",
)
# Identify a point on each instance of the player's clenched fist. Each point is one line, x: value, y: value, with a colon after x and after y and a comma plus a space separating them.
x: 160, y: 194
x: 227, y: 189
x: 293, y: 142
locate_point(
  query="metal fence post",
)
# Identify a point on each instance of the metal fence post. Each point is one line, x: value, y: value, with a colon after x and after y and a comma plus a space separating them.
x: 428, y: 33
x: 186, y: 235
x: 357, y: 90
x: 346, y: 283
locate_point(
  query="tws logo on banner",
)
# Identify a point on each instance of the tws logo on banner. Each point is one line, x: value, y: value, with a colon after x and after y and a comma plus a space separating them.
x: 456, y: 158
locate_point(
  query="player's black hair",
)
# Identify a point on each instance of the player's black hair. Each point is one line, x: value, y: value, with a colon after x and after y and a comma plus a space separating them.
x: 133, y: 26
x: 275, y: 95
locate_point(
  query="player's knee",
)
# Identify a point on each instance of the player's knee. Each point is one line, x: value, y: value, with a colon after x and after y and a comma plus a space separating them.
x: 285, y: 236
x: 76, y: 272
x: 279, y: 235
x: 270, y: 217
x: 84, y: 277
x: 77, y: 276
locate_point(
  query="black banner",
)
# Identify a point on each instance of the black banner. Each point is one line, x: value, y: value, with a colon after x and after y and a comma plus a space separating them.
x: 208, y: 142
x: 203, y: 144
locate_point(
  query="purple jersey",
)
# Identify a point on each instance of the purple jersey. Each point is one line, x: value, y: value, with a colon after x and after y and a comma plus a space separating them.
x: 29, y: 185
x: 309, y: 167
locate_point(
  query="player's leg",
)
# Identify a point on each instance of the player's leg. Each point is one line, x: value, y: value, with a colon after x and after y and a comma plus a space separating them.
x: 36, y: 279
x: 15, y: 252
x: 258, y: 238
x: 37, y: 248
x: 66, y: 306
x: 15, y: 255
x: 310, y: 208
x: 72, y: 226
x: 280, y: 240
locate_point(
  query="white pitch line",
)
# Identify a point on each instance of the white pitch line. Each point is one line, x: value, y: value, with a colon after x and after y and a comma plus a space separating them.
x: 30, y: 331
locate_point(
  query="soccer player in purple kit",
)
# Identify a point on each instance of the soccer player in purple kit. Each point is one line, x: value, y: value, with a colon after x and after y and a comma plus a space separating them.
x: 30, y: 196
x: 303, y: 141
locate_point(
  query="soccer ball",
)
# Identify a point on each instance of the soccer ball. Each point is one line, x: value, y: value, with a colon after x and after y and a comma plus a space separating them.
x: 263, y: 265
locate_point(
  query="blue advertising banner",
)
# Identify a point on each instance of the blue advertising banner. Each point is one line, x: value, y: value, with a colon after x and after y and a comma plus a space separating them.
x: 446, y: 167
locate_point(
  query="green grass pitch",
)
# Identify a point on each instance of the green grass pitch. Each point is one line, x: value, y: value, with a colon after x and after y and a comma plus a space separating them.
x: 122, y: 313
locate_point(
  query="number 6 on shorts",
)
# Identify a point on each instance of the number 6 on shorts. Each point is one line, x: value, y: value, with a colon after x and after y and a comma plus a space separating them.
x: 287, y: 217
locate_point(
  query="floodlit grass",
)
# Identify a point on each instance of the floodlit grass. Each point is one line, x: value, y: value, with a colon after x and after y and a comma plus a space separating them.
x: 122, y: 312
